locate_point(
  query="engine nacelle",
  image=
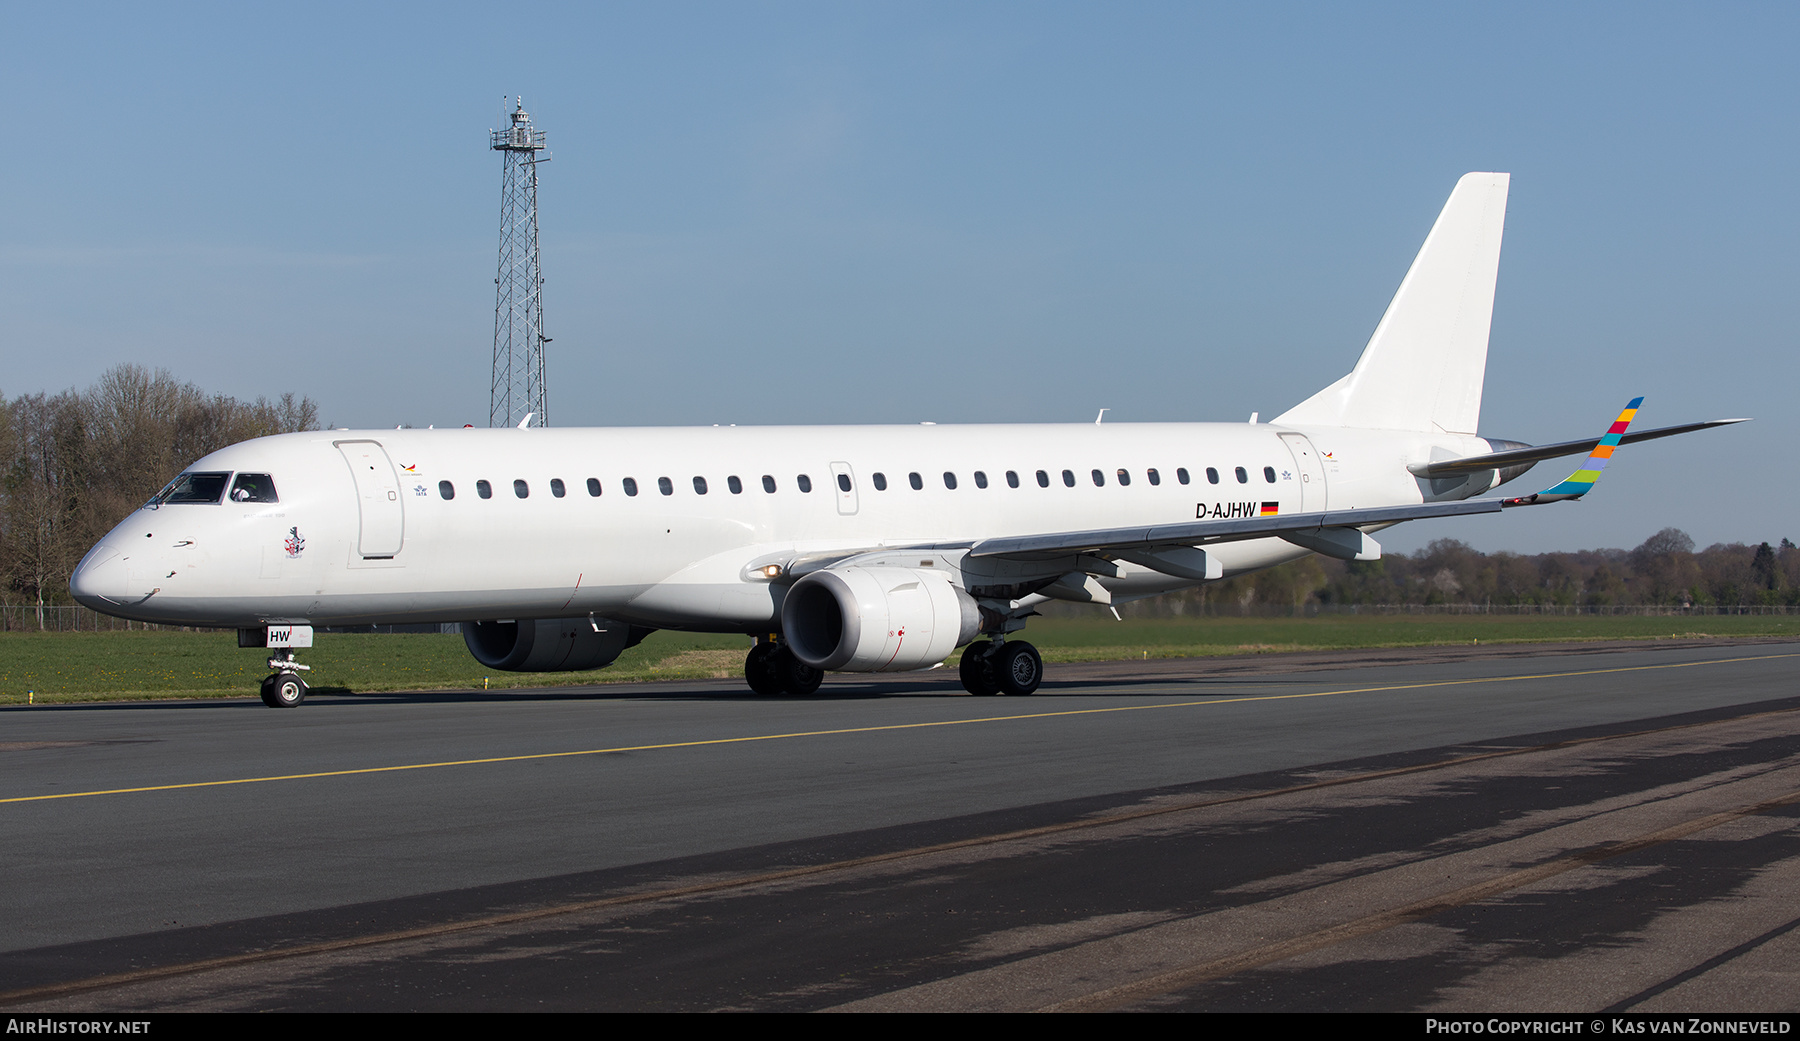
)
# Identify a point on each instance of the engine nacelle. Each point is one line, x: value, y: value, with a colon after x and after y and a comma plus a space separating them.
x: 877, y: 619
x: 550, y: 644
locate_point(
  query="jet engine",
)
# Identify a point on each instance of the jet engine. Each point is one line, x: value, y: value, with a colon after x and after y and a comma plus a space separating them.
x: 550, y: 644
x: 877, y: 619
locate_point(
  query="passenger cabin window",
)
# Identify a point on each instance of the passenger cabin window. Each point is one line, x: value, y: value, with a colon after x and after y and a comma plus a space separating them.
x: 1212, y: 475
x: 699, y: 486
x: 1124, y: 476
x: 1012, y: 478
x: 1153, y: 476
x: 949, y: 480
x: 253, y: 488
x: 736, y: 486
x: 1269, y: 474
x: 630, y: 485
x: 446, y: 489
x: 1069, y: 478
x: 804, y: 482
x: 916, y: 481
x: 484, y: 489
x: 201, y: 488
x: 1243, y: 478
x: 1099, y: 478
x: 594, y: 487
x: 521, y: 489
x: 980, y: 479
x: 768, y: 484
x: 843, y: 482
x: 556, y: 487
x: 1181, y: 474
x: 880, y: 480
x: 665, y: 486
x: 1043, y: 479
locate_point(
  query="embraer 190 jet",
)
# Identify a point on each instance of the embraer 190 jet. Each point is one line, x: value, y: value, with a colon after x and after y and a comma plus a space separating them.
x: 861, y: 549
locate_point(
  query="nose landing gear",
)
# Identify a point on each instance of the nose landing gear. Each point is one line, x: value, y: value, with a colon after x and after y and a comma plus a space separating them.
x: 283, y: 688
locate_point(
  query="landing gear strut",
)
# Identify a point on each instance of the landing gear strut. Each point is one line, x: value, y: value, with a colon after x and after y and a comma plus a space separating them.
x: 772, y: 669
x: 1013, y: 667
x: 285, y: 688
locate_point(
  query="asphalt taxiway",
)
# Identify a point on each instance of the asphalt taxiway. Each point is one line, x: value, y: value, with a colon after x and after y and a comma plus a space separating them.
x: 1520, y: 828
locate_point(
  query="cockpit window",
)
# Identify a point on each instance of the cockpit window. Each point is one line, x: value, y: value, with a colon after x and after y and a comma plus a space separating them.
x: 194, y: 488
x: 253, y: 488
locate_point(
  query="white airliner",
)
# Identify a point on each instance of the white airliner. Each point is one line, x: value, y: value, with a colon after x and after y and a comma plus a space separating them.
x: 862, y: 549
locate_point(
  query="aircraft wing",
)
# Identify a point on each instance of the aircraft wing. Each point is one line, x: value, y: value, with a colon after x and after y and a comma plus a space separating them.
x: 1200, y: 533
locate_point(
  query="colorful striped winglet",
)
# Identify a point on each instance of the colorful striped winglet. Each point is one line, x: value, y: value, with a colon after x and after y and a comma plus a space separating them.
x: 1582, y: 481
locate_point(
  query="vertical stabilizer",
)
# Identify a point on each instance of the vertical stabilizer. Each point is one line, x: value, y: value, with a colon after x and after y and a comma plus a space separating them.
x: 1423, y: 368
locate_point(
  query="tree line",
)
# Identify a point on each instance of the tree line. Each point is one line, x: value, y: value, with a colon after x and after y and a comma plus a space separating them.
x: 1666, y: 570
x: 74, y: 464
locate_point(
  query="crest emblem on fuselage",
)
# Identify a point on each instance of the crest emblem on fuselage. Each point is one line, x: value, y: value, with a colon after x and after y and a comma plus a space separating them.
x: 294, y: 543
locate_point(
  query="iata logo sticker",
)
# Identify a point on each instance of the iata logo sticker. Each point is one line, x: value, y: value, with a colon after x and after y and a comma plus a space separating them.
x: 294, y: 543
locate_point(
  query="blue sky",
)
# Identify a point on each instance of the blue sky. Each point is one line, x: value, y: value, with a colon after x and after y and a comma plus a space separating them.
x: 966, y: 212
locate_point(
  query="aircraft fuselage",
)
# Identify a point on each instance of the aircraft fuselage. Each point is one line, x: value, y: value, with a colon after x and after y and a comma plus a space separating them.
x: 391, y: 526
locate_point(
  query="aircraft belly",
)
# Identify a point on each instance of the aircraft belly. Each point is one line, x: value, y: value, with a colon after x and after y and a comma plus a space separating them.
x: 724, y: 607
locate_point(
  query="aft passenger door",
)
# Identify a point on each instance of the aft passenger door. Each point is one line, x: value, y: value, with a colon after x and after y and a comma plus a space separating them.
x: 1311, y: 470
x: 383, y: 518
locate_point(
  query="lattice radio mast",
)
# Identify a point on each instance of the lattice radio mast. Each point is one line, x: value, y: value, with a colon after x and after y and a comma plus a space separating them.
x: 517, y: 396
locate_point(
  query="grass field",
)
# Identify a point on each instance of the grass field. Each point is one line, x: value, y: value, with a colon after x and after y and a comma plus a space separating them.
x: 130, y: 665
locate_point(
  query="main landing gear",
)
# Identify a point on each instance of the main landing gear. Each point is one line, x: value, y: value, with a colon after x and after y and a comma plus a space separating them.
x: 772, y: 669
x: 1014, y: 667
x: 285, y: 688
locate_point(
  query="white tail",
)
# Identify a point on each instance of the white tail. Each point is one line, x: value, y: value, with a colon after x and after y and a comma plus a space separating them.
x: 1423, y: 368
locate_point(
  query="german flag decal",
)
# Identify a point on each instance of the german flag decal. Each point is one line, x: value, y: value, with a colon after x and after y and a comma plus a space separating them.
x: 1270, y: 509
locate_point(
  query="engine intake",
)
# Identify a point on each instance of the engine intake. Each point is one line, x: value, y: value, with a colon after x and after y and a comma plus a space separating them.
x: 877, y: 619
x: 550, y: 644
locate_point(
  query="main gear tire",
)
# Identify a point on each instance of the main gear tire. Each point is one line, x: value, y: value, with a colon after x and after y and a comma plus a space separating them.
x: 794, y: 676
x: 758, y: 672
x: 977, y: 670
x: 1018, y: 668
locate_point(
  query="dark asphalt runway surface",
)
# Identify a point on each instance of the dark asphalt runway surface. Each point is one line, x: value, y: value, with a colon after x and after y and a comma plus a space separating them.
x: 1516, y: 829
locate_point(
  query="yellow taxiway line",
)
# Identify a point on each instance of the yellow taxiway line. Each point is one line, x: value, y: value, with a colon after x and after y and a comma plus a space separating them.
x: 885, y: 727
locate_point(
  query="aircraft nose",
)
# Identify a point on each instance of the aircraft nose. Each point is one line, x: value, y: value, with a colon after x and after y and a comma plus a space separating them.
x: 99, y: 580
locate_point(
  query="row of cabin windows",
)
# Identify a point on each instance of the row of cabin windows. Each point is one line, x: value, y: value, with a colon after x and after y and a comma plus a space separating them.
x: 1123, y: 476
x: 667, y: 487
x: 522, y: 489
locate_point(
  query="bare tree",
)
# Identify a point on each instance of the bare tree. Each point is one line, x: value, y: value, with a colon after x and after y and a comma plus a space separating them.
x: 75, y: 464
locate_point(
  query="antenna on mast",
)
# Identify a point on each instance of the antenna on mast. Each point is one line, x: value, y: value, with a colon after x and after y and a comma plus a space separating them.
x: 516, y: 396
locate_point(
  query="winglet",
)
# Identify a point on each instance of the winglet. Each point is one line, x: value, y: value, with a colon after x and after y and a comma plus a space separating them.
x: 1582, y: 481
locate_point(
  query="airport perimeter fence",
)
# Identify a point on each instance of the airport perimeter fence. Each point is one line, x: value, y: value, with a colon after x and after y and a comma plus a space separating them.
x: 1652, y: 610
x: 1230, y: 609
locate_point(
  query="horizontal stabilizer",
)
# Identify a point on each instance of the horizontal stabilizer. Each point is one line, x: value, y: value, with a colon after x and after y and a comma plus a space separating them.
x: 1539, y: 453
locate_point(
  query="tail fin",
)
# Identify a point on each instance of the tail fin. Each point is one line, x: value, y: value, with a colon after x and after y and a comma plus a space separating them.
x: 1423, y: 368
